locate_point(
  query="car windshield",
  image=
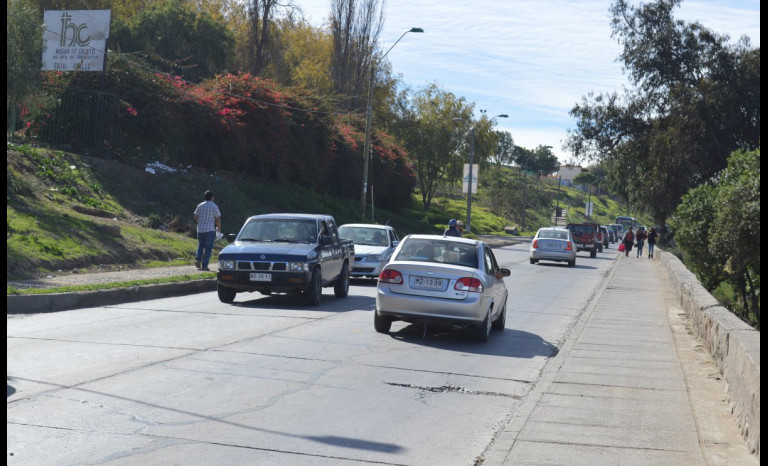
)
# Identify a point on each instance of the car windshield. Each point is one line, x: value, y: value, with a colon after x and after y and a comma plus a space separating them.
x: 364, y: 236
x: 554, y: 234
x: 280, y: 231
x: 444, y: 252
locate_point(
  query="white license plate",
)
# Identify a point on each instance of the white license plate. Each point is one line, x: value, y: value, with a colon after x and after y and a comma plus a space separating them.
x: 426, y: 283
x: 261, y: 277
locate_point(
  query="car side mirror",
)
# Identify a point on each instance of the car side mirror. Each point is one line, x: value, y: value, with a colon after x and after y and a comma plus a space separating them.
x: 506, y: 272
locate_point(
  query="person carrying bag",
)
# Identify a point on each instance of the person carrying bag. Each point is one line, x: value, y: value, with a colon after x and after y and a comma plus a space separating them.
x: 628, y: 241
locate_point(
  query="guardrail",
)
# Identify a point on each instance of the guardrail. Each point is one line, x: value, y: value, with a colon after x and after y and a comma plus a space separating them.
x: 733, y: 344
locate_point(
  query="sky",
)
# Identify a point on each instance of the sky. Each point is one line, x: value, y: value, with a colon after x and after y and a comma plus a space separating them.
x: 531, y: 60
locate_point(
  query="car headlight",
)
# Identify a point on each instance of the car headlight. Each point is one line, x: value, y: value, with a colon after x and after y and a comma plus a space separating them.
x: 226, y: 264
x: 298, y: 267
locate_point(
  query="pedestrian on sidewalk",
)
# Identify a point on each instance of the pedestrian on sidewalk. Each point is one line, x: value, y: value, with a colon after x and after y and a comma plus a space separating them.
x: 208, y: 219
x: 652, y: 235
x: 628, y: 240
x: 452, y: 229
x: 640, y: 240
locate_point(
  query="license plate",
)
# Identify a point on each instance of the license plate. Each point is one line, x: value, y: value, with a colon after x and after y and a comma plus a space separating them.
x: 426, y: 283
x: 261, y: 277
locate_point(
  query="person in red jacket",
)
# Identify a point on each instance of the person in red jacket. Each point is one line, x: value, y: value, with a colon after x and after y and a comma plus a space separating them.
x: 640, y: 240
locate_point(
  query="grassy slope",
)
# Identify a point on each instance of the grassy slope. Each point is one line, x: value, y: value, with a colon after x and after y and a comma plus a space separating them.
x: 61, y: 210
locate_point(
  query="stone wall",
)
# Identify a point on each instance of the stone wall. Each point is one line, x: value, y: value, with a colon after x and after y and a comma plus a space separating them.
x: 733, y: 344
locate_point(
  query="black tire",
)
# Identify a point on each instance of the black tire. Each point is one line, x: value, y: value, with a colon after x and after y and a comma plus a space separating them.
x: 380, y: 323
x: 600, y: 247
x: 500, y: 321
x: 533, y: 261
x: 314, y: 292
x: 483, y: 331
x: 341, y: 287
x: 226, y: 295
x: 572, y: 263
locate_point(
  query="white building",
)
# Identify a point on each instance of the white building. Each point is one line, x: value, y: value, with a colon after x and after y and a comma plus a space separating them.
x: 567, y: 172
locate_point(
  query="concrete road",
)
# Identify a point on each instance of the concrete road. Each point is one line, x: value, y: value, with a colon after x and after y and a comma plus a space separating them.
x: 190, y: 380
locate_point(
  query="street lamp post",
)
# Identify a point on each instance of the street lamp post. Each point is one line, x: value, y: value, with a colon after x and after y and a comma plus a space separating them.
x: 471, y: 163
x: 367, y: 144
x: 525, y: 186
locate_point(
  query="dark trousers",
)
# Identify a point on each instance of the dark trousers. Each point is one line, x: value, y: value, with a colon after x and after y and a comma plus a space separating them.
x: 204, y: 247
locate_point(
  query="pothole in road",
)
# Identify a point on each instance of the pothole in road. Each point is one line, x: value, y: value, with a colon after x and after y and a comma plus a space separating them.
x: 452, y: 389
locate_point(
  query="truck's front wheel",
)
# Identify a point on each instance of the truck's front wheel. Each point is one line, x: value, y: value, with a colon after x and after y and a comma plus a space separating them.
x: 341, y: 287
x: 226, y: 295
x: 314, y: 292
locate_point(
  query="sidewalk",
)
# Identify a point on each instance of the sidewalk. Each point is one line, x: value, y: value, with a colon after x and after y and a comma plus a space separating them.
x: 627, y: 388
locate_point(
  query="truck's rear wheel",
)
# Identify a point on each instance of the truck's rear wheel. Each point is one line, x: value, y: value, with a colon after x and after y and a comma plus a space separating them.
x: 341, y: 287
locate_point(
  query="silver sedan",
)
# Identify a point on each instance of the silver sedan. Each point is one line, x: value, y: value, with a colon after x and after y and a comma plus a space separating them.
x: 443, y: 280
x: 553, y: 244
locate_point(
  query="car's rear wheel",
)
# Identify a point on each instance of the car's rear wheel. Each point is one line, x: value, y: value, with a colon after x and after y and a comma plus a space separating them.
x: 483, y: 331
x: 572, y: 263
x: 500, y: 321
x: 341, y: 287
x: 226, y: 295
x: 380, y: 323
x: 533, y: 261
x: 314, y: 292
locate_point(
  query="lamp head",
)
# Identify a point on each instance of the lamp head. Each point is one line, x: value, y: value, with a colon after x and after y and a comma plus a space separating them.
x: 416, y: 30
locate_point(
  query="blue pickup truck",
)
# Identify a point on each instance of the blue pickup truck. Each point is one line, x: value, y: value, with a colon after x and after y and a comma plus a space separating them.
x: 286, y: 253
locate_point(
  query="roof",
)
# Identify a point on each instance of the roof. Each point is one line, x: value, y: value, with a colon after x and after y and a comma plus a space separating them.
x: 365, y: 225
x: 443, y: 238
x: 292, y: 216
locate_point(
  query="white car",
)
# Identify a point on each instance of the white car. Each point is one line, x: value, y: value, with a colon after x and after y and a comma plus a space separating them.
x: 442, y: 280
x: 374, y: 245
x: 553, y: 244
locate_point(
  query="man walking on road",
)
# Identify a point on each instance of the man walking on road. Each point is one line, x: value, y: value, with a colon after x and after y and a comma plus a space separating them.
x: 208, y: 219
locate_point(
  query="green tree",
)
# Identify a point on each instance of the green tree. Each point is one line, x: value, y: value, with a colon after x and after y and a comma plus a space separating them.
x: 184, y: 41
x: 431, y: 137
x: 694, y: 100
x: 504, y: 152
x: 23, y: 49
x: 735, y: 231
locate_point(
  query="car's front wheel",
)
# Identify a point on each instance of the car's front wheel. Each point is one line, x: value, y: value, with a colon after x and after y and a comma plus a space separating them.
x: 314, y: 292
x: 226, y: 295
x: 500, y: 321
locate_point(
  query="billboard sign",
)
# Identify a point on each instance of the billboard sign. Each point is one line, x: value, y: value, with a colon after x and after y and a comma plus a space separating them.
x: 75, y: 40
x: 465, y: 184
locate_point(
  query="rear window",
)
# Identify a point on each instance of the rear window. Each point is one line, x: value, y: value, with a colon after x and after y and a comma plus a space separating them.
x: 554, y: 234
x: 580, y: 229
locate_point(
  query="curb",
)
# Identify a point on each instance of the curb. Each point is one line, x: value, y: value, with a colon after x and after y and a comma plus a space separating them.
x: 30, y: 304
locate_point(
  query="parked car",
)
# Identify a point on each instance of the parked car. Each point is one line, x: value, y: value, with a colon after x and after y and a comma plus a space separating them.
x: 443, y: 280
x: 553, y: 244
x: 604, y: 232
x: 615, y: 232
x: 585, y: 237
x: 374, y: 245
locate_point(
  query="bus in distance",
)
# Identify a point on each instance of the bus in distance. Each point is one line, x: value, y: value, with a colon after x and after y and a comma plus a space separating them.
x: 627, y: 222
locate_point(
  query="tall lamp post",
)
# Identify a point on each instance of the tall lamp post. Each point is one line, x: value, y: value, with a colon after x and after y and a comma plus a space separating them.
x: 367, y: 145
x: 471, y: 163
x: 525, y: 186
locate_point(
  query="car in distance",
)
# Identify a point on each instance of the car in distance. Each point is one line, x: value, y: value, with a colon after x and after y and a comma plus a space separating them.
x: 604, y: 232
x: 374, y: 245
x: 443, y: 280
x: 553, y: 244
x: 585, y: 237
x: 286, y: 253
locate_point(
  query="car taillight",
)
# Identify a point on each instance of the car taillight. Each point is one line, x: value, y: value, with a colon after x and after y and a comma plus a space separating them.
x: 468, y: 284
x: 391, y: 276
x: 535, y: 243
x: 568, y: 246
